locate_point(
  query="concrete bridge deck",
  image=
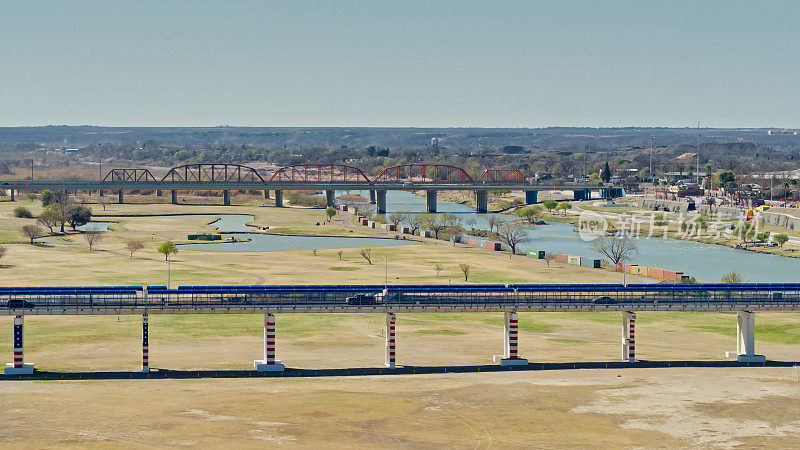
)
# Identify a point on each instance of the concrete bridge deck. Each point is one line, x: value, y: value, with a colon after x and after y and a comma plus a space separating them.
x: 743, y: 299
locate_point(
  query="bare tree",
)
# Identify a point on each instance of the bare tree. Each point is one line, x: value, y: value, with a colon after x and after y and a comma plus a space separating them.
x: 339, y: 253
x: 413, y: 220
x: 367, y: 254
x: 465, y: 268
x: 493, y: 222
x: 512, y: 234
x: 134, y: 246
x: 32, y: 232
x: 396, y: 218
x: 49, y: 218
x: 438, y: 268
x: 103, y: 202
x: 443, y: 222
x: 617, y: 249
x: 3, y: 251
x: 92, y: 236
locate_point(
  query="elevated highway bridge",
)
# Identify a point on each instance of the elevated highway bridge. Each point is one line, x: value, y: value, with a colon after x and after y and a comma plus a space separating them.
x: 326, y: 177
x: 743, y: 299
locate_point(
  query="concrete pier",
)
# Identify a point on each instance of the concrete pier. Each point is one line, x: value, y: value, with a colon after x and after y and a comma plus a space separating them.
x: 12, y: 194
x: 628, y: 352
x: 431, y: 200
x: 226, y: 197
x: 390, y: 340
x: 531, y: 197
x: 266, y: 194
x: 158, y: 193
x: 372, y: 196
x: 145, y: 345
x: 174, y: 195
x: 482, y: 202
x: 746, y: 338
x: 278, y: 199
x: 19, y: 366
x: 510, y: 356
x: 269, y: 363
x: 330, y: 198
x: 120, y: 197
x: 381, y: 200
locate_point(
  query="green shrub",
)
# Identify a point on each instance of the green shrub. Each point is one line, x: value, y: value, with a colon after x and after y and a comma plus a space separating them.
x: 22, y: 212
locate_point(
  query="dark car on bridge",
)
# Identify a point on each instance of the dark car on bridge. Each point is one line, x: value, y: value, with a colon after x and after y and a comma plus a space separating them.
x: 362, y: 299
x: 604, y: 300
x: 19, y: 303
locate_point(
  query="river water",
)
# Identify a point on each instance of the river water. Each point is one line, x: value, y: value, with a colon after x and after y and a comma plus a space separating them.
x: 705, y: 262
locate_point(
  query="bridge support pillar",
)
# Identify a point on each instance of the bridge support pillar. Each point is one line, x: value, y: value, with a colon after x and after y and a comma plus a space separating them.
x: 330, y: 197
x: 269, y: 363
x: 278, y: 199
x: 482, y: 202
x: 120, y: 197
x: 577, y: 195
x: 510, y: 356
x: 12, y: 194
x: 390, y: 340
x: 145, y: 345
x: 158, y: 193
x: 587, y: 194
x: 372, y: 196
x: 18, y: 367
x: 101, y: 193
x: 174, y: 195
x: 226, y: 197
x: 746, y: 338
x: 381, y: 201
x: 431, y: 198
x: 266, y: 194
x: 531, y: 197
x: 628, y: 336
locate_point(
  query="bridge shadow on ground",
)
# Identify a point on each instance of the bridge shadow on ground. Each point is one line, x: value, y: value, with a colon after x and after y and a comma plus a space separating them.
x: 403, y: 370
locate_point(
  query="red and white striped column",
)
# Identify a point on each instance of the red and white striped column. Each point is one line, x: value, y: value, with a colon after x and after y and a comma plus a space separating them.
x: 18, y: 367
x: 632, y: 339
x: 145, y: 345
x: 390, y: 340
x: 510, y: 356
x: 628, y: 336
x: 269, y: 363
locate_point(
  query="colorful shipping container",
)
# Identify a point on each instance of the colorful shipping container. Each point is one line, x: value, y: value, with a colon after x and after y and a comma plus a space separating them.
x: 538, y: 254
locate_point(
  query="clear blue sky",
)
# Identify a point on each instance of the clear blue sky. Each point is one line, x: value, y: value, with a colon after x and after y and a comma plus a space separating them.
x: 403, y: 63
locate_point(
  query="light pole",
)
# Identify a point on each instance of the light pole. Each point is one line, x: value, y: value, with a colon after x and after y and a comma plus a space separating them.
x: 385, y: 273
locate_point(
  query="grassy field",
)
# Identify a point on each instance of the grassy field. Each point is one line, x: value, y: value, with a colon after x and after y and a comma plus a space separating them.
x: 678, y: 407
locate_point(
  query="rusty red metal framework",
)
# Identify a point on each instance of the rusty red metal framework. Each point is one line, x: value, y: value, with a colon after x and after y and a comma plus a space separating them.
x: 424, y: 173
x: 212, y: 173
x: 129, y: 175
x: 319, y: 173
x: 501, y: 176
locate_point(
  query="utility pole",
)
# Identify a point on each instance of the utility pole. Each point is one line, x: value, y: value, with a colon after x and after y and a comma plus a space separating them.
x: 31, y: 169
x: 697, y: 175
x: 652, y: 178
x: 585, y: 149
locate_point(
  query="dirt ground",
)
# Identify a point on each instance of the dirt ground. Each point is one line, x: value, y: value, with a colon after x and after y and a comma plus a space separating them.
x: 675, y: 407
